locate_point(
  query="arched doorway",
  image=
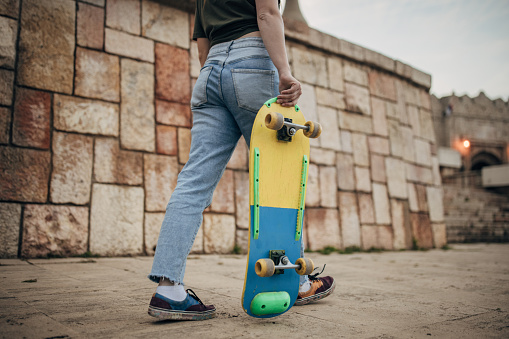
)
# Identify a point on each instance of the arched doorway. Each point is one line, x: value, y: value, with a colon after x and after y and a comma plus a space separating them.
x: 484, y: 159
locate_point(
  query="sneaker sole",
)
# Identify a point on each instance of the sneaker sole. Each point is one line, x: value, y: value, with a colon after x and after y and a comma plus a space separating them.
x: 316, y: 297
x: 164, y: 314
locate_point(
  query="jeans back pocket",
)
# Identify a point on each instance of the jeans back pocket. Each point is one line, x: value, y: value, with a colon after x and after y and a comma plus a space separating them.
x: 253, y: 87
x: 199, y: 96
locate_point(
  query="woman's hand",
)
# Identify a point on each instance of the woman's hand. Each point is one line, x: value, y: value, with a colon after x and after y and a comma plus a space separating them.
x: 290, y: 90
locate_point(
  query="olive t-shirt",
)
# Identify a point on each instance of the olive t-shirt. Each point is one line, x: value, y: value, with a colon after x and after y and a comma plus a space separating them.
x: 224, y: 20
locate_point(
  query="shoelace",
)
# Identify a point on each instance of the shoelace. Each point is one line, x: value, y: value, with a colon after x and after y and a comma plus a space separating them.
x: 315, y: 276
x: 192, y: 294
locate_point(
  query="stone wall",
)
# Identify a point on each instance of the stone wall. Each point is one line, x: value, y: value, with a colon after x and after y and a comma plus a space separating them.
x: 95, y: 127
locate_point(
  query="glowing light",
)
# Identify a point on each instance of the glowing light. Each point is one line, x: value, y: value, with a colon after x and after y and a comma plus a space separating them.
x: 466, y: 144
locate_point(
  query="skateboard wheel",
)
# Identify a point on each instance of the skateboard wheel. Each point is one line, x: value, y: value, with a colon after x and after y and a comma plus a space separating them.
x: 265, y: 267
x: 306, y: 266
x: 314, y: 131
x: 274, y: 120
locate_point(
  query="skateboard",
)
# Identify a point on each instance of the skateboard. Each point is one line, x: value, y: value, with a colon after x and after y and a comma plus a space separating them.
x: 278, y: 164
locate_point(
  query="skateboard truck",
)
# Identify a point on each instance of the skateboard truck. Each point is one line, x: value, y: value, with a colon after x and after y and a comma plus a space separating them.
x: 286, y: 128
x: 278, y: 262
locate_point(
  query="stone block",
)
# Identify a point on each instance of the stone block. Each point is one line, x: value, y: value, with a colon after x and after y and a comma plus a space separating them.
x: 379, y: 145
x: 97, y: 75
x: 392, y: 111
x: 116, y: 166
x: 153, y: 222
x: 402, y: 232
x: 355, y: 122
x: 403, y: 69
x: 242, y: 199
x: 350, y: 227
x: 218, y: 233
x: 166, y: 140
x: 435, y: 203
x: 330, y: 98
x: 9, y: 8
x: 309, y: 66
x: 408, y: 144
x: 381, y: 203
x: 54, y: 230
x: 308, y: 102
x: 335, y: 69
x: 412, y: 198
x: 362, y: 179
x: 396, y: 139
x: 354, y: 73
x: 124, y: 15
x: 369, y: 235
x: 8, y: 34
x: 322, y: 156
x: 330, y: 137
x: 380, y: 60
x: 160, y: 174
x: 5, y: 125
x: 382, y: 85
x: 328, y: 187
x: 422, y: 152
x: 223, y: 200
x: 421, y: 78
x: 172, y: 74
x: 242, y: 240
x: 360, y: 149
x: 357, y: 99
x: 366, y: 208
x: 439, y: 235
x: 46, y: 45
x: 379, y: 118
x: 90, y: 26
x: 378, y: 168
x: 166, y: 24
x: 426, y: 124
x: 137, y: 130
x: 184, y: 144
x: 411, y: 94
x: 124, y: 44
x: 421, y: 230
x: 313, y: 186
x: 31, y: 121
x: 72, y: 168
x: 425, y: 100
x: 396, y: 178
x: 344, y: 166
x: 351, y: 50
x: 6, y: 86
x: 401, y: 104
x: 25, y: 174
x: 419, y: 174
x: 116, y: 220
x: 172, y: 113
x: 240, y: 157
x: 385, y: 237
x: 323, y: 228
x: 9, y: 229
x: 346, y: 142
x: 74, y: 114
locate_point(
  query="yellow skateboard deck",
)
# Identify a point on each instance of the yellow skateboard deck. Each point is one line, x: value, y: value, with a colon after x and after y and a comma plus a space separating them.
x: 278, y: 163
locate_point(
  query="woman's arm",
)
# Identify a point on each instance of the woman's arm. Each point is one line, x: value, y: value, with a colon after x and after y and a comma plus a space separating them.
x: 271, y: 28
x: 203, y: 50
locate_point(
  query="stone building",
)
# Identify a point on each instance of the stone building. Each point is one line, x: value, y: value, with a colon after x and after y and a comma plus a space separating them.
x: 95, y: 127
x: 472, y: 135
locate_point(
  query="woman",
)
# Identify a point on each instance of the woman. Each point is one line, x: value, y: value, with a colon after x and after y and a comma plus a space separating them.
x: 241, y: 48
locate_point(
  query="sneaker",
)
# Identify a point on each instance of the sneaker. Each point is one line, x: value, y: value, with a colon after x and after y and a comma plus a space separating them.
x: 320, y: 288
x: 191, y: 308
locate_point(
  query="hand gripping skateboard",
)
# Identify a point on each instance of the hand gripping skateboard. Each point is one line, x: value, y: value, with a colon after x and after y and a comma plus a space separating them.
x: 278, y: 164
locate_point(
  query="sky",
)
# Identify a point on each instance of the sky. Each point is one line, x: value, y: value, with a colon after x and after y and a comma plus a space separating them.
x: 463, y: 44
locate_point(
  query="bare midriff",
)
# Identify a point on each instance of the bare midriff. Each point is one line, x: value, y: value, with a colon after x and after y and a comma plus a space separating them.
x: 250, y: 35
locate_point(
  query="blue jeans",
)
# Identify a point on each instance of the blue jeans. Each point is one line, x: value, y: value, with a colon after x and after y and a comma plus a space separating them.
x: 237, y: 78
